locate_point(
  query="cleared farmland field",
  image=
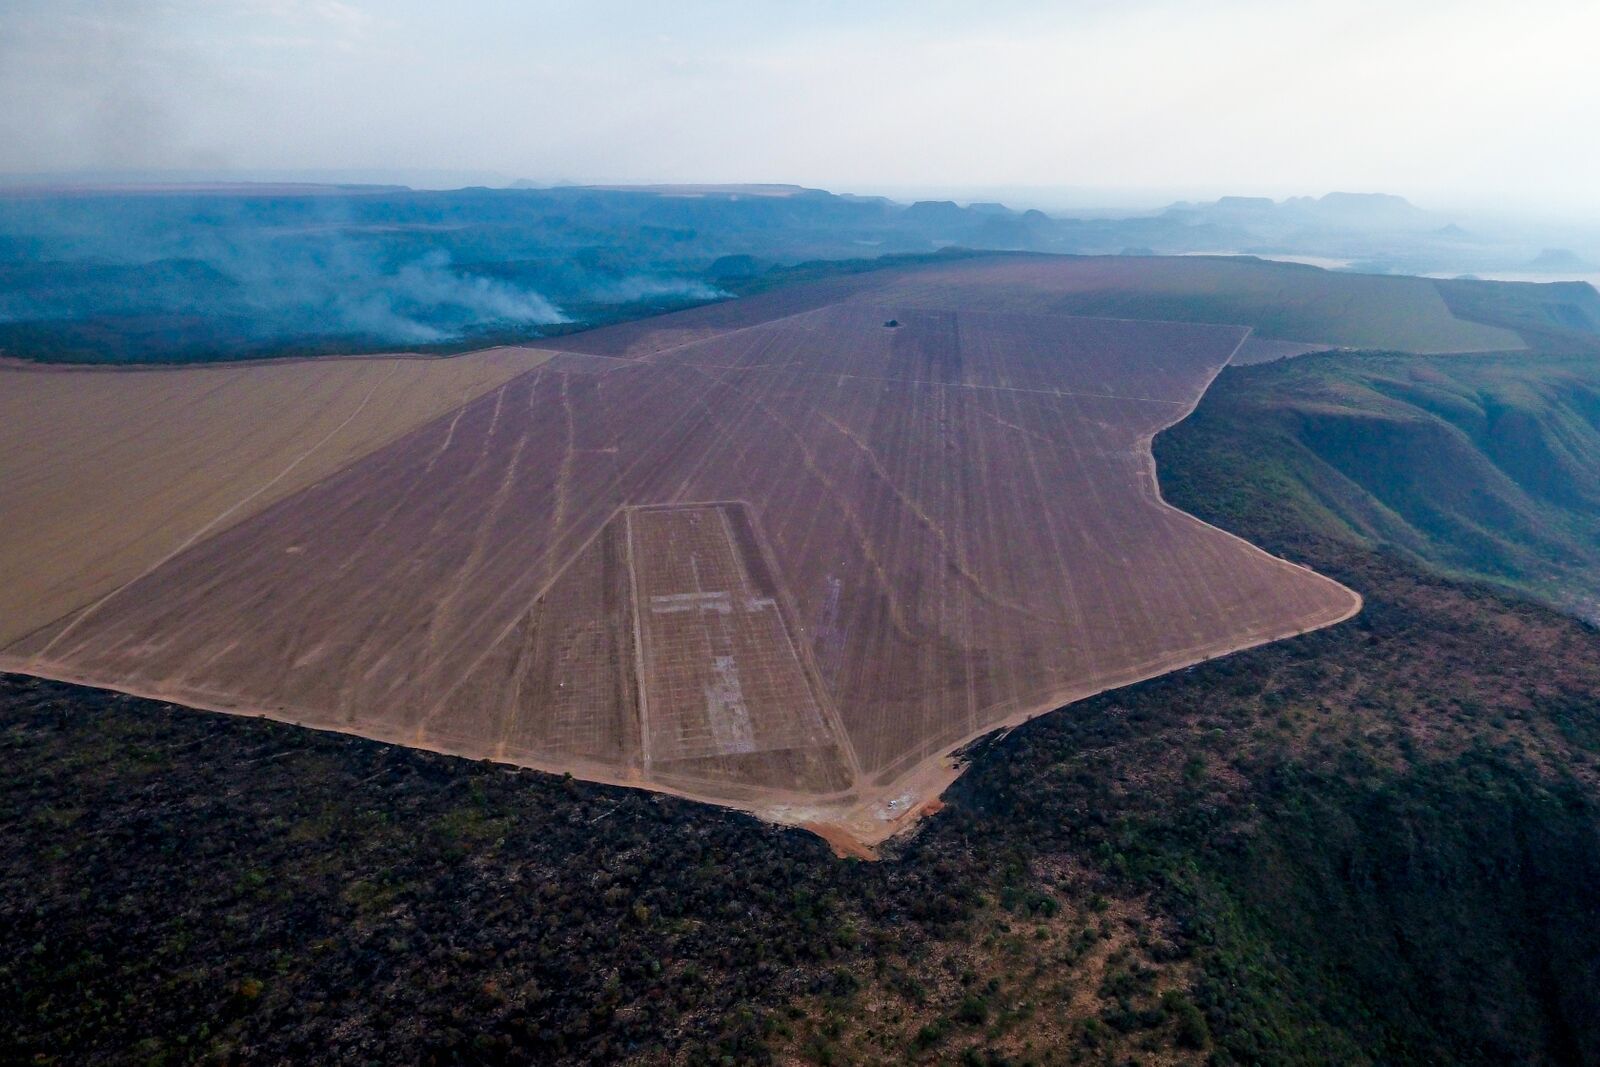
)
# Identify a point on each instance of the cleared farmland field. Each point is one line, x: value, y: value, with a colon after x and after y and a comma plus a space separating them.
x: 1316, y: 308
x: 777, y: 553
x: 1281, y: 301
x: 107, y: 472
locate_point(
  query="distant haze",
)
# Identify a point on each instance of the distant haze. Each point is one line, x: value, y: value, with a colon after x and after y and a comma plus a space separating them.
x: 1478, y: 103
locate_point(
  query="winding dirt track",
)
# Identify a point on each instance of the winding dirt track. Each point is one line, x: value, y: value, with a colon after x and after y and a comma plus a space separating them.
x: 774, y: 554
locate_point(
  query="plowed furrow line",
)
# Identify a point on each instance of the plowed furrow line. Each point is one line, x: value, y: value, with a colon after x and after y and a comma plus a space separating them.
x: 945, y: 546
x: 852, y: 519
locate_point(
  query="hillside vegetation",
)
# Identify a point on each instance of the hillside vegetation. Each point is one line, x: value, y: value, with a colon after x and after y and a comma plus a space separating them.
x: 1551, y: 317
x: 1485, y: 466
x: 1291, y: 302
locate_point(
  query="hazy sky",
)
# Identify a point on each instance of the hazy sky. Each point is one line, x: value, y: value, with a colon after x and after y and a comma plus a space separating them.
x: 1475, y: 102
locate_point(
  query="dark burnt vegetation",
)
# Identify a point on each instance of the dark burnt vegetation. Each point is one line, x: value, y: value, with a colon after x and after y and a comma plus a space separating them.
x: 1366, y: 834
x: 184, y: 886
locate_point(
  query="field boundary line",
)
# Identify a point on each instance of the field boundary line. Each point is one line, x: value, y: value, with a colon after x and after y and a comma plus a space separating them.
x: 638, y: 646
x: 794, y: 635
x: 506, y: 631
x: 1155, y: 481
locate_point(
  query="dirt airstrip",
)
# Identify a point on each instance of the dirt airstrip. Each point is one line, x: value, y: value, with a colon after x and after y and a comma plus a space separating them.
x: 775, y: 553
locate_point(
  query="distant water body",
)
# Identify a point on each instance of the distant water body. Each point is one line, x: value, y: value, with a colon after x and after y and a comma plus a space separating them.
x: 1330, y: 263
x: 1325, y: 262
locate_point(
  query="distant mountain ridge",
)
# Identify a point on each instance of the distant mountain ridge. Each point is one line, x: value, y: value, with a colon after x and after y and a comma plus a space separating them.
x: 112, y: 272
x: 1358, y: 210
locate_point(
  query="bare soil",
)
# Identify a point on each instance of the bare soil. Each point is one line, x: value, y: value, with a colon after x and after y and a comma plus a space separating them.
x: 915, y: 535
x: 107, y: 472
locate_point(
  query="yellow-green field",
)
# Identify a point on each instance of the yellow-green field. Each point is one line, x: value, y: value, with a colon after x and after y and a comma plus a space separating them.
x: 110, y: 472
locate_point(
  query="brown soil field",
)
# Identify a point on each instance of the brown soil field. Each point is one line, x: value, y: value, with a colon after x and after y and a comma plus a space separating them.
x: 105, y: 472
x: 1284, y: 302
x: 775, y: 554
x: 1281, y: 302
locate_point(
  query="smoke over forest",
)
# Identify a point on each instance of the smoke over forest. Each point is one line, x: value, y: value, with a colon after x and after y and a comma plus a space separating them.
x: 215, y: 272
